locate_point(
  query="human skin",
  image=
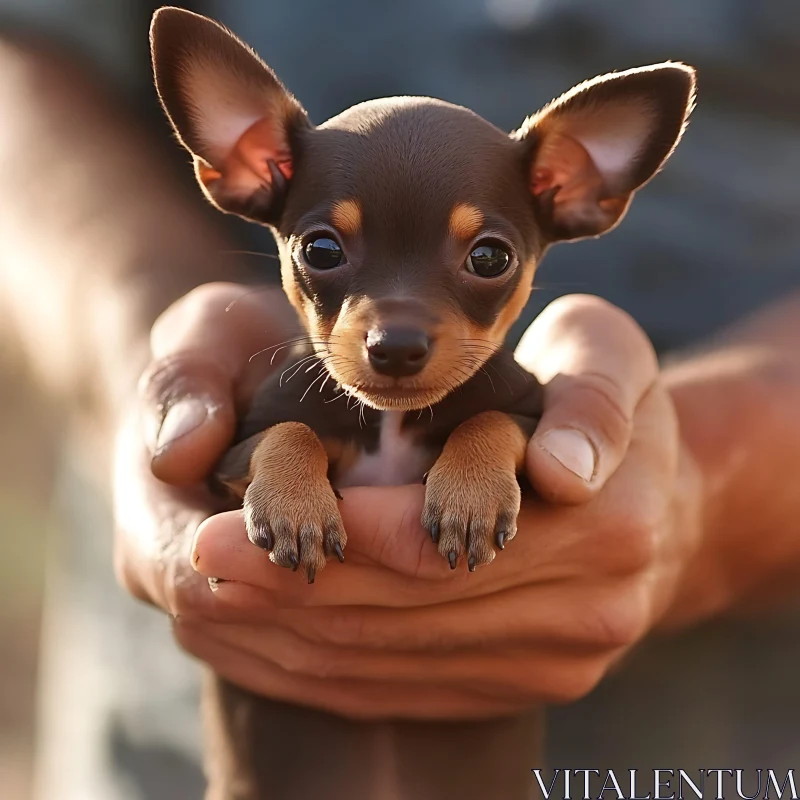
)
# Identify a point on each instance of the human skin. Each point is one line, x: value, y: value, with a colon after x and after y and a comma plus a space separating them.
x: 691, y: 510
x: 671, y: 530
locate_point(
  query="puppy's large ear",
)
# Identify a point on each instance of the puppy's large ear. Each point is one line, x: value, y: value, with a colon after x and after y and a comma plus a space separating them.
x: 593, y: 147
x: 229, y: 110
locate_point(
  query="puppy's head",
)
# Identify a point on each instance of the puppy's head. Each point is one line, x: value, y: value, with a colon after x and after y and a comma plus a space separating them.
x: 410, y: 229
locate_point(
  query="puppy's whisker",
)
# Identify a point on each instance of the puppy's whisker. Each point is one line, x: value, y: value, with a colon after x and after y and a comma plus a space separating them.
x: 283, y: 345
x: 297, y: 366
x: 498, y: 373
x: 304, y: 339
x: 310, y: 385
x: 255, y: 290
x: 251, y: 253
x: 491, y: 382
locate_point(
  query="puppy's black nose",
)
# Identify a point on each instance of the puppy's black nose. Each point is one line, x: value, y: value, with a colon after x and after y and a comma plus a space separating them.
x: 398, y: 352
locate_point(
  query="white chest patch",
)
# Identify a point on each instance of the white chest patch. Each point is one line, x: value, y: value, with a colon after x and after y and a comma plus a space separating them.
x: 399, y: 459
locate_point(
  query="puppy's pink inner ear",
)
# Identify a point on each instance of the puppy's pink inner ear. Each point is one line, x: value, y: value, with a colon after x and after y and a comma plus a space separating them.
x: 563, y: 165
x: 261, y: 143
x: 246, y: 168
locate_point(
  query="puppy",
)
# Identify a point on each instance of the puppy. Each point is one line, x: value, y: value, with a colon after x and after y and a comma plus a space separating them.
x: 409, y: 232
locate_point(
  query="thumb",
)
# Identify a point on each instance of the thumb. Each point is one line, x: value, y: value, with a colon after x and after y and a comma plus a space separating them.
x: 189, y: 416
x: 202, y: 347
x: 596, y: 364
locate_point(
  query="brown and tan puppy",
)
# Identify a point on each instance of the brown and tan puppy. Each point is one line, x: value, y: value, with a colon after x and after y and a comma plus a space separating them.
x: 409, y: 232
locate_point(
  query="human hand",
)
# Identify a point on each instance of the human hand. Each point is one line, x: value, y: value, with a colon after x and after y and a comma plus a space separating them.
x: 201, y: 375
x: 393, y: 632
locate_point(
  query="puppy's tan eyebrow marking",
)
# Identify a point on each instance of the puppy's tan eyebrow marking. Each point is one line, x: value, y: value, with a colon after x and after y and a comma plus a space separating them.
x: 465, y: 221
x: 346, y: 216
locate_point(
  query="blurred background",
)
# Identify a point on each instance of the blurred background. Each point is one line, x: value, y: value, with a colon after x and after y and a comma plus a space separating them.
x: 714, y: 236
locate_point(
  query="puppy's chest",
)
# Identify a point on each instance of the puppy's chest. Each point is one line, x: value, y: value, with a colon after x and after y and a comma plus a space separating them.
x: 367, y: 447
x: 400, y: 457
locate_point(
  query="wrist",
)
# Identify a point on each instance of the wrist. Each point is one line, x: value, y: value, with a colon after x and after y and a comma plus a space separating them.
x: 736, y: 421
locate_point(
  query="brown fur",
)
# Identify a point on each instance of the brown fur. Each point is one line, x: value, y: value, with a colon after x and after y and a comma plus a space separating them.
x: 472, y: 491
x: 409, y: 186
x: 290, y: 500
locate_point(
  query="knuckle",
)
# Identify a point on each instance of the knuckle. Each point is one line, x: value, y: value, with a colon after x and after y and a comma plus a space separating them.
x: 201, y: 302
x: 182, y: 604
x: 301, y: 659
x: 339, y: 628
x: 576, y: 309
x: 640, y: 547
x: 572, y: 684
x: 164, y: 378
x: 575, y: 306
x: 190, y: 599
x: 600, y: 398
x: 614, y: 623
x: 188, y: 637
x: 127, y: 578
x: 629, y: 546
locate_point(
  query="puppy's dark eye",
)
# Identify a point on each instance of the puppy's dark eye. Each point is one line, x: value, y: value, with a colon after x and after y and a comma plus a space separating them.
x: 323, y: 253
x: 488, y: 260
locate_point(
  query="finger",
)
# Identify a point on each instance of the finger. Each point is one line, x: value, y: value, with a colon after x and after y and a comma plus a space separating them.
x: 599, y: 617
x: 154, y: 524
x: 189, y: 417
x: 406, y: 570
x: 202, y: 348
x: 221, y: 549
x: 383, y: 528
x: 358, y: 699
x: 529, y: 675
x: 359, y: 605
x: 597, y: 365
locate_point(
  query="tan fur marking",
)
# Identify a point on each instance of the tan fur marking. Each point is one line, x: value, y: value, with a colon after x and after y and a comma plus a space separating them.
x: 346, y: 216
x: 465, y: 221
x: 473, y: 486
x: 291, y: 499
x: 509, y: 315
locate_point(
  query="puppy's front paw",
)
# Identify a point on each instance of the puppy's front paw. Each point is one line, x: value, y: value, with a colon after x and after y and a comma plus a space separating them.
x: 290, y: 508
x: 472, y: 495
x: 299, y: 525
x: 470, y: 509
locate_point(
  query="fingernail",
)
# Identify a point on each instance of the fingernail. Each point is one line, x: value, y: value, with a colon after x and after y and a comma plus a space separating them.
x: 182, y: 418
x: 572, y: 450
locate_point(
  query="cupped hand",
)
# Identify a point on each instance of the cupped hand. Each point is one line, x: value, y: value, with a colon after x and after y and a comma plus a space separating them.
x: 209, y: 352
x: 392, y: 631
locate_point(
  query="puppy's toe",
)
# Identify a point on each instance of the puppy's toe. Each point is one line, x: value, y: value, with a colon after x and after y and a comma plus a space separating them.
x: 298, y: 528
x: 469, y: 513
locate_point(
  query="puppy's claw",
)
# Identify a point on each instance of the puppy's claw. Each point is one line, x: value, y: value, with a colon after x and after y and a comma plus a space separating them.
x: 337, y: 548
x: 451, y: 557
x: 435, y: 533
x: 262, y: 537
x: 338, y: 494
x: 294, y: 562
x: 501, y: 540
x: 312, y: 573
x: 472, y: 563
x: 425, y: 478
